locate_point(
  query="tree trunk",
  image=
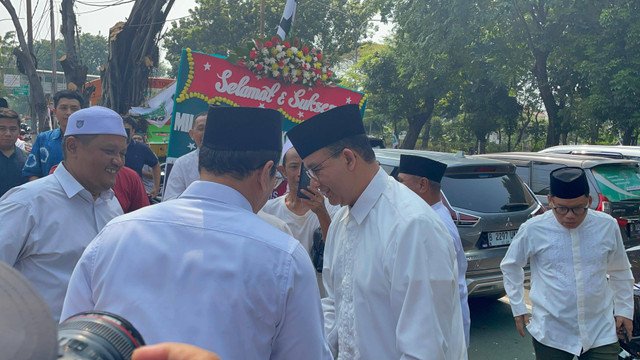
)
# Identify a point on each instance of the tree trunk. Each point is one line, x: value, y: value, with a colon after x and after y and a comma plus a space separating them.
x: 425, y: 134
x: 36, y: 93
x: 133, y: 52
x: 542, y: 77
x: 564, y: 138
x: 416, y: 122
x: 75, y: 73
x: 627, y: 136
x: 482, y: 145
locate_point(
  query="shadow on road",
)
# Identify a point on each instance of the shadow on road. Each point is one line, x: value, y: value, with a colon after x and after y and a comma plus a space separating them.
x: 493, y: 332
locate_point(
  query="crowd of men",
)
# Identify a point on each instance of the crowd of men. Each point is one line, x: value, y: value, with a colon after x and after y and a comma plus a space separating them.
x: 219, y: 266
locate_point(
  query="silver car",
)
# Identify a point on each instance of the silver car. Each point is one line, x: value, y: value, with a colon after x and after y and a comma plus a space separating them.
x: 488, y: 202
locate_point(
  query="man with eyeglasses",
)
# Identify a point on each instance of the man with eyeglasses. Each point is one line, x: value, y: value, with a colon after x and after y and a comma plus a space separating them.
x: 576, y: 310
x: 389, y: 268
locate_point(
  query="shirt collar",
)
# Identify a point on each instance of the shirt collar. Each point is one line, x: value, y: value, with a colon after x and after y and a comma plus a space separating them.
x: 72, y: 187
x: 217, y: 192
x: 57, y: 133
x: 369, y: 196
x: 437, y: 205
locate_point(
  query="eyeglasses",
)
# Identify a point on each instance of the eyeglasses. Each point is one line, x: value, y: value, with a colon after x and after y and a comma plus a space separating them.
x: 313, y: 172
x: 563, y: 210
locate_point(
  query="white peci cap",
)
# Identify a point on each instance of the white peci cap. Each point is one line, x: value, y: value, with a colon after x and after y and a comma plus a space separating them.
x: 95, y: 120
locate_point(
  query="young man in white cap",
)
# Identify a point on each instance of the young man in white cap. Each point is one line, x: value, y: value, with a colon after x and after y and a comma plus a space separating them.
x: 423, y: 176
x: 211, y: 273
x: 389, y: 267
x: 47, y: 223
x: 581, y: 281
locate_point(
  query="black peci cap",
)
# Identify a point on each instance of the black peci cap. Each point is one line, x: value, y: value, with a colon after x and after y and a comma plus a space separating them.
x: 422, y: 166
x: 326, y: 128
x: 568, y: 183
x: 243, y: 129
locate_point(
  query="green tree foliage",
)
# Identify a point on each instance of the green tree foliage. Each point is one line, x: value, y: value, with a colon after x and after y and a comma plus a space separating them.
x: 92, y: 50
x: 506, y: 66
x: 217, y: 26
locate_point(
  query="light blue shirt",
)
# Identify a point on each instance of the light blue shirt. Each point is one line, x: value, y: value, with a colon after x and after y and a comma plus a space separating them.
x: 46, y: 225
x: 205, y: 270
x: 45, y: 153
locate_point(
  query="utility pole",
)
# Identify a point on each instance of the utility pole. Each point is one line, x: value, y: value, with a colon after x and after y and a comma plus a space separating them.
x: 29, y: 27
x: 54, y: 82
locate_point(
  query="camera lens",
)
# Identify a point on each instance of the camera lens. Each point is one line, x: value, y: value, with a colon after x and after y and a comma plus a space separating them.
x: 97, y: 335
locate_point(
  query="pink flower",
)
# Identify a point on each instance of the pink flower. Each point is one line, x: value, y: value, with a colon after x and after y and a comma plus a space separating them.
x: 329, y: 73
x: 281, y: 63
x: 259, y: 67
x: 286, y: 45
x: 241, y: 62
x: 268, y: 44
x: 253, y: 54
x: 319, y: 56
x: 305, y: 50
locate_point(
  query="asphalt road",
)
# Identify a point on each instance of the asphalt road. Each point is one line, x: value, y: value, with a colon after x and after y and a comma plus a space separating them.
x: 493, y: 332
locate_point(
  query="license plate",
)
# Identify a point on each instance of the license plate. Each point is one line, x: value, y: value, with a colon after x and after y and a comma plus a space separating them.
x: 501, y: 238
x: 634, y: 229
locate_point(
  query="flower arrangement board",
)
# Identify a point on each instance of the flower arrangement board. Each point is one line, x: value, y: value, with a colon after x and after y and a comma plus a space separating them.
x: 205, y: 79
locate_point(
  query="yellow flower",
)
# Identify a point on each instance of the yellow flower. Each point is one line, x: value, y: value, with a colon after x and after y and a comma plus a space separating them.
x: 300, y: 54
x: 324, y: 77
x: 274, y: 51
x: 289, y: 52
x: 286, y: 68
x: 308, y: 58
x: 318, y: 65
x: 275, y: 66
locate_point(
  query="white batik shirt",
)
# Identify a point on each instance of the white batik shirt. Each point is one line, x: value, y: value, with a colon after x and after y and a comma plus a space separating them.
x: 573, y: 304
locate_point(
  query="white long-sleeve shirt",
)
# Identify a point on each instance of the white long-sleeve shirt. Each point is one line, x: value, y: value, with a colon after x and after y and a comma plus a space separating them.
x: 46, y: 225
x: 183, y: 173
x: 392, y: 291
x: 445, y: 216
x: 573, y: 304
x: 205, y: 270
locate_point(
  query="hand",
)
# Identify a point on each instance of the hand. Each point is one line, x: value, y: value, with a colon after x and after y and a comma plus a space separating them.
x: 521, y: 321
x: 153, y: 193
x: 624, y: 325
x: 173, y: 351
x: 315, y: 201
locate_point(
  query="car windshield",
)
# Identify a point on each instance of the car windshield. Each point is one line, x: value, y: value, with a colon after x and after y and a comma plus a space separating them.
x: 618, y: 183
x: 487, y: 192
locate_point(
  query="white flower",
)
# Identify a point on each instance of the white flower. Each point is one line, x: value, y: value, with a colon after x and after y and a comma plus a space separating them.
x: 275, y: 73
x: 264, y: 51
x: 279, y: 48
x: 294, y: 49
x: 306, y: 74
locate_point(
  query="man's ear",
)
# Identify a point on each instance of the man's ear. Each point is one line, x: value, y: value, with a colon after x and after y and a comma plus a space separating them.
x: 424, y: 185
x: 281, y: 169
x: 351, y: 158
x: 264, y: 178
x: 71, y: 145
